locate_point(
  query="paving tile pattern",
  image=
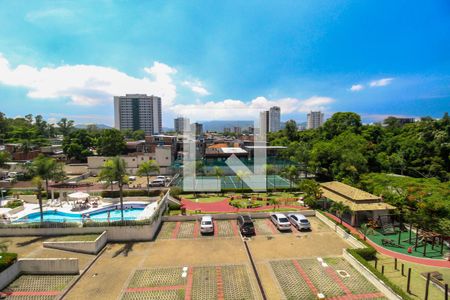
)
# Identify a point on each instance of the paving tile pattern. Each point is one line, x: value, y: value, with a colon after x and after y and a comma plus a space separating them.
x: 157, y: 277
x: 292, y: 284
x: 186, y: 230
x: 262, y: 227
x: 38, y: 283
x: 160, y: 295
x: 204, y: 285
x: 29, y: 297
x: 236, y: 283
x: 166, y: 230
x: 319, y: 277
x: 356, y: 283
x: 225, y: 228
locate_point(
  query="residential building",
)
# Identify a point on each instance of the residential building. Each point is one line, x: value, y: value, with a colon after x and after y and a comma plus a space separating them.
x: 274, y: 119
x: 264, y: 121
x: 197, y: 129
x: 180, y: 124
x: 315, y: 120
x: 138, y: 111
x: 237, y: 130
x: 227, y: 130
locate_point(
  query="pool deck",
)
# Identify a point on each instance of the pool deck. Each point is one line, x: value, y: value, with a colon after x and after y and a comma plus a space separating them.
x: 68, y: 208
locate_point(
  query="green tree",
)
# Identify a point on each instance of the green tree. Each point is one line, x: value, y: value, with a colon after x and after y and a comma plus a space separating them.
x: 46, y: 169
x: 114, y: 170
x: 312, y: 190
x: 148, y: 168
x: 291, y: 172
x: 4, y: 158
x: 138, y: 135
x: 77, y: 145
x: 4, y: 245
x: 242, y: 175
x: 65, y: 126
x: 111, y: 143
x: 341, y: 122
x: 340, y: 209
x: 291, y: 130
x: 37, y: 182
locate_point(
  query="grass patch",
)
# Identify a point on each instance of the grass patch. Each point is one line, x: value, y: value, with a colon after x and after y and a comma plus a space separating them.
x: 76, y: 238
x: 417, y: 281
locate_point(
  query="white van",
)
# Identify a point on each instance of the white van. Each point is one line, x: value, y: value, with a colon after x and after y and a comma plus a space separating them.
x: 157, y: 182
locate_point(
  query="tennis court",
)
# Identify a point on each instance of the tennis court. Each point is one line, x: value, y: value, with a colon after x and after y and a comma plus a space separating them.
x: 233, y: 182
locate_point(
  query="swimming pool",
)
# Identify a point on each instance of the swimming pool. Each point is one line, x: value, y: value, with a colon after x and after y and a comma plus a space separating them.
x: 101, y: 216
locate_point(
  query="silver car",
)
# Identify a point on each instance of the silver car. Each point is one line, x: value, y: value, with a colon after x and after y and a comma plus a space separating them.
x: 280, y: 221
x: 299, y: 221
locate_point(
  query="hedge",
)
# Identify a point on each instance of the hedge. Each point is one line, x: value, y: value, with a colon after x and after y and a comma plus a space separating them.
x: 7, y: 259
x: 131, y: 193
x: 14, y: 203
x: 118, y: 223
x: 398, y: 290
x: 367, y: 253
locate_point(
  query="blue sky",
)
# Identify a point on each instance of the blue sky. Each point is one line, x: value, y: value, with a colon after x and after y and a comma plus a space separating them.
x: 225, y: 59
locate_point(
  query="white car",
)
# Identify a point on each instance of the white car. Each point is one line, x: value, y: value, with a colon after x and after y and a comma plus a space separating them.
x: 206, y: 225
x: 157, y: 182
x: 299, y: 221
x: 280, y: 221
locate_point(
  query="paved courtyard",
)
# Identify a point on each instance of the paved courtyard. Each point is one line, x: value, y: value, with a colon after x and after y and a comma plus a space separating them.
x: 37, y: 287
x: 183, y: 264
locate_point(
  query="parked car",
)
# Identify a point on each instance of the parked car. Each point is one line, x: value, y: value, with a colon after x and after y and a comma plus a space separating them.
x: 246, y: 226
x: 280, y: 221
x: 299, y: 221
x: 206, y: 225
x: 157, y: 182
x: 132, y: 178
x: 165, y: 178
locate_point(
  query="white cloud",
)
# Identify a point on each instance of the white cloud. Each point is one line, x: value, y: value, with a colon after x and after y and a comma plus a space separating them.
x: 197, y: 87
x: 54, y: 13
x: 381, y: 82
x: 229, y: 109
x: 357, y: 87
x: 88, y: 84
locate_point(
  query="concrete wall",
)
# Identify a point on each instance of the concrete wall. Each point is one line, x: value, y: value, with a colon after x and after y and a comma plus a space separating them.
x: 39, y: 266
x: 254, y: 215
x: 378, y: 283
x: 49, y: 266
x: 9, y: 274
x: 346, y: 236
x: 91, y: 247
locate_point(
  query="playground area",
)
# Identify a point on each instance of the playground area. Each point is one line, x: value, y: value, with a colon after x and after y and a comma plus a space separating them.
x: 233, y: 182
x: 395, y: 236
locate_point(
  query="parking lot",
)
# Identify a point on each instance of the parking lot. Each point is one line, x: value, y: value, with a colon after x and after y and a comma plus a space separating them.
x: 184, y: 264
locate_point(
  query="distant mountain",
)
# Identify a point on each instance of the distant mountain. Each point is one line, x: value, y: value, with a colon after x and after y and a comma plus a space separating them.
x: 99, y: 126
x: 220, y: 125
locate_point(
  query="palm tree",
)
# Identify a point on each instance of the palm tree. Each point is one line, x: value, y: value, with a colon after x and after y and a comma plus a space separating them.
x: 291, y: 172
x: 37, y: 182
x: 313, y: 191
x: 114, y: 169
x: 340, y: 209
x: 47, y: 169
x: 366, y: 230
x: 218, y: 172
x: 148, y: 168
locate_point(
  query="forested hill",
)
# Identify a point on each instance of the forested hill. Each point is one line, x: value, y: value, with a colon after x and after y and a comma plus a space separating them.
x: 344, y: 149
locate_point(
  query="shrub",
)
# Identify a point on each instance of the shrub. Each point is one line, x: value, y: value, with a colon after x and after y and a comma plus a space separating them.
x: 175, y: 191
x: 14, y: 204
x: 118, y: 223
x: 174, y: 206
x: 41, y: 225
x: 7, y: 259
x: 131, y: 193
x: 367, y: 253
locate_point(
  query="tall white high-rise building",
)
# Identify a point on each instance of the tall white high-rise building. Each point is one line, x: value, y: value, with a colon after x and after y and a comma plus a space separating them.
x: 274, y: 119
x: 264, y: 122
x: 180, y: 124
x: 315, y: 120
x: 138, y: 111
